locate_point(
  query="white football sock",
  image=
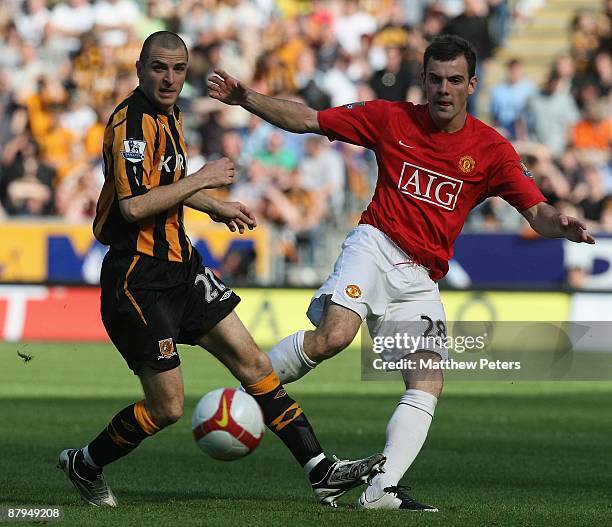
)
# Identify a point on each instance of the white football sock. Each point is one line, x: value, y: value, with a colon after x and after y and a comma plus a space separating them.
x: 406, y: 433
x: 87, y: 458
x: 289, y: 360
x: 313, y: 463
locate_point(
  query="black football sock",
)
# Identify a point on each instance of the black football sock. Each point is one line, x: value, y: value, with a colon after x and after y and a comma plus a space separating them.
x: 286, y: 419
x: 122, y: 435
x: 320, y: 470
x: 83, y: 469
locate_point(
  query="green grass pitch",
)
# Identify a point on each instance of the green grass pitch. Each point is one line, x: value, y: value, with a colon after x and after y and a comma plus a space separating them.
x: 516, y: 454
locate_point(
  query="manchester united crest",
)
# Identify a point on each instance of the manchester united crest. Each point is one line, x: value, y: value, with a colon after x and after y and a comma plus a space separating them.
x: 353, y: 291
x: 467, y: 164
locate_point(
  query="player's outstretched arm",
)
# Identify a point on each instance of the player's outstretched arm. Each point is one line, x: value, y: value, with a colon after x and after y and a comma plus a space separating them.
x: 549, y: 222
x: 218, y: 173
x: 288, y: 115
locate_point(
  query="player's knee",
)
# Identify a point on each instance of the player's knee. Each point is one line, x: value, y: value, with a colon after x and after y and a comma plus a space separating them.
x: 167, y: 413
x: 330, y: 342
x: 253, y: 370
x: 261, y: 363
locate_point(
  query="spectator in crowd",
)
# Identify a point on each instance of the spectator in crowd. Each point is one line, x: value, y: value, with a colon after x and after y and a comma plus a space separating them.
x: 351, y: 25
x: 600, y: 71
x: 397, y: 77
x: 585, y: 37
x: 113, y: 18
x: 13, y: 117
x: 551, y: 113
x: 565, y: 68
x: 78, y: 191
x: 32, y: 22
x: 58, y: 148
x: 69, y: 21
x: 326, y: 45
x: 322, y: 170
x: 594, y: 130
x: 338, y: 83
x: 592, y: 192
x: 473, y: 25
x: 252, y: 187
x: 509, y: 99
x: 26, y: 183
x: 310, y: 82
x: 297, y: 212
x: 275, y: 154
x: 606, y: 215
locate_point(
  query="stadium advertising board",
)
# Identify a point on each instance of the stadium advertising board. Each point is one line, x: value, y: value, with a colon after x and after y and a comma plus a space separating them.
x: 68, y: 254
x: 73, y: 313
x: 507, y: 260
x: 62, y: 253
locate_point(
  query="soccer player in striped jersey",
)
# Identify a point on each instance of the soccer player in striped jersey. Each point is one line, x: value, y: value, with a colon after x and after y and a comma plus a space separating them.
x: 155, y: 291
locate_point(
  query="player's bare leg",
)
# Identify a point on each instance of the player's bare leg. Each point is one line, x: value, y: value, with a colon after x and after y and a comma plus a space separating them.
x: 233, y: 345
x: 336, y: 331
x: 296, y: 355
x: 406, y: 432
x: 164, y: 395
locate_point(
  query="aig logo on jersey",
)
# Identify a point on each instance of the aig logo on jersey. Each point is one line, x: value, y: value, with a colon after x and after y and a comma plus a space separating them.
x: 427, y: 185
x: 133, y: 150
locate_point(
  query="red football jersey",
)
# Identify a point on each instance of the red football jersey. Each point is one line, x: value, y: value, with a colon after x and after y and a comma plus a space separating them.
x: 429, y: 180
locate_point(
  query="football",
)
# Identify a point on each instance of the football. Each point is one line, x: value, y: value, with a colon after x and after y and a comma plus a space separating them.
x: 227, y: 424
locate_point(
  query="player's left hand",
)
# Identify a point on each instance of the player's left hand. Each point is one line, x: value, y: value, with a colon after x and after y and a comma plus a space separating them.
x: 574, y: 230
x: 237, y: 216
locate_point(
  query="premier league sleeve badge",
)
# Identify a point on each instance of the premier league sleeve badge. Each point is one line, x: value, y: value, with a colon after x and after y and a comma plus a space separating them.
x: 133, y: 150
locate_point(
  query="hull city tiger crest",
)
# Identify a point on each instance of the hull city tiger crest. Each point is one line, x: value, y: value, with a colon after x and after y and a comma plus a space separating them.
x: 166, y: 349
x: 467, y: 164
x: 133, y: 150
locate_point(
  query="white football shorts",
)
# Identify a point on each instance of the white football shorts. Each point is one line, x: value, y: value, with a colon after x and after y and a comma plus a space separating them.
x: 377, y: 280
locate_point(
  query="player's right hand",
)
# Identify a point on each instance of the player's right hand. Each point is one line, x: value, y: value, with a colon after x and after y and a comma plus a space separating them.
x: 218, y: 173
x: 225, y: 88
x: 237, y: 216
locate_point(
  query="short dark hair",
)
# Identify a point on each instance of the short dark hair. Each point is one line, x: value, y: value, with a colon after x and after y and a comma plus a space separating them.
x: 448, y: 47
x: 163, y: 39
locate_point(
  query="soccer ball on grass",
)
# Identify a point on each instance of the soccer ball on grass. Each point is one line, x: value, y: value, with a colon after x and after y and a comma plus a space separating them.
x: 227, y: 424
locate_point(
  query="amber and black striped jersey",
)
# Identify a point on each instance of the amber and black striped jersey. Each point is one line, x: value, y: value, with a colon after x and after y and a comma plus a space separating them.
x: 143, y: 148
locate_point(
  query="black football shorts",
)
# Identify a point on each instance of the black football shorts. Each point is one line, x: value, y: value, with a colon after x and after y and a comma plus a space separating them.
x: 149, y: 306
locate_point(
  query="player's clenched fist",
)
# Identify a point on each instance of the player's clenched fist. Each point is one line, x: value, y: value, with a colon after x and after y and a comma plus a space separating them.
x: 225, y: 88
x: 218, y: 173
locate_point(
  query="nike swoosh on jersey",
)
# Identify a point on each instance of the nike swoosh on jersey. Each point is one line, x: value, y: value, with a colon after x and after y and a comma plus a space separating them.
x: 224, y: 414
x: 404, y: 144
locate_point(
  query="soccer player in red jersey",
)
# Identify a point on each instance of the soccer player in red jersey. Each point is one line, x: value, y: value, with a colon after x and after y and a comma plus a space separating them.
x: 435, y: 164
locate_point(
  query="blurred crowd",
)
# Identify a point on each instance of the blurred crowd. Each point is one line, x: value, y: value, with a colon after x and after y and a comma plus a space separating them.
x: 563, y: 128
x: 65, y: 64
